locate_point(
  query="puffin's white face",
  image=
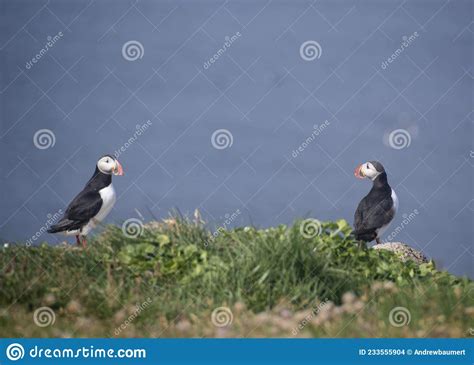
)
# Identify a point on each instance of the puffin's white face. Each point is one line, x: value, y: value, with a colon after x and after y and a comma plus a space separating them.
x: 366, y: 170
x: 109, y: 165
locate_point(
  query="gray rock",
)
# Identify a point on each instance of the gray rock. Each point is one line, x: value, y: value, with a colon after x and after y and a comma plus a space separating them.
x: 405, y: 252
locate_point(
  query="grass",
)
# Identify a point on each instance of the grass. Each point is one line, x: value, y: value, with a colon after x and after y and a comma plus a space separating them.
x: 173, y: 279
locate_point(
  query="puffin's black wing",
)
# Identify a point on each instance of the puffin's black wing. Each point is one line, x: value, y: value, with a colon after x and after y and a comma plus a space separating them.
x: 84, y: 206
x: 359, y: 216
x: 370, y: 216
x: 79, y: 212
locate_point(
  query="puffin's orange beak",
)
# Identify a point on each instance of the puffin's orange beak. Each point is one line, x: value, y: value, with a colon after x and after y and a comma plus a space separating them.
x: 118, y: 169
x: 358, y: 172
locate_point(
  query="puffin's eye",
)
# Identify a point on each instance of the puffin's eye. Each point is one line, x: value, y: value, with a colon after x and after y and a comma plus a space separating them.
x: 368, y: 166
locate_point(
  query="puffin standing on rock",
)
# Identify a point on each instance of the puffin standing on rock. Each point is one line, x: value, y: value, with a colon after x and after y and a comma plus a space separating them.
x: 377, y: 209
x: 92, y: 204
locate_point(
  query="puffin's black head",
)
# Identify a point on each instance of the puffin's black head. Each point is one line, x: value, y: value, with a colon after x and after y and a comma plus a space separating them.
x: 109, y: 165
x: 369, y: 169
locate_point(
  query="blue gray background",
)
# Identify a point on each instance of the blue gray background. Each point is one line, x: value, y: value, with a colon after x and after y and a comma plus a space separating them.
x: 261, y: 91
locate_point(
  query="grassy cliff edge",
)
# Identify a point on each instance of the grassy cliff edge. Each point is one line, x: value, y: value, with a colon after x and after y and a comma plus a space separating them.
x: 177, y: 279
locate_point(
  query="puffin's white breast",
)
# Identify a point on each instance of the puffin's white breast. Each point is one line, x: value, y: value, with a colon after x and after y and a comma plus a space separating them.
x: 108, y: 197
x: 395, y: 201
x: 108, y: 200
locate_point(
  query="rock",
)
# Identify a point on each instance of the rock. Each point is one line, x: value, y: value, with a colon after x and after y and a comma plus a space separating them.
x: 348, y: 298
x: 183, y: 325
x: 73, y: 307
x: 405, y: 252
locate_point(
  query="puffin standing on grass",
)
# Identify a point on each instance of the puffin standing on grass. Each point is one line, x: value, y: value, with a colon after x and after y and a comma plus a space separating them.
x: 377, y: 209
x: 92, y: 204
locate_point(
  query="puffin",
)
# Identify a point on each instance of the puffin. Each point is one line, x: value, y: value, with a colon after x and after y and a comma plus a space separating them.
x: 377, y: 209
x: 92, y: 204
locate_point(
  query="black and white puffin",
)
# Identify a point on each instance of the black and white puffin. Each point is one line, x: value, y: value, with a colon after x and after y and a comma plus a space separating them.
x: 92, y: 204
x: 378, y: 208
